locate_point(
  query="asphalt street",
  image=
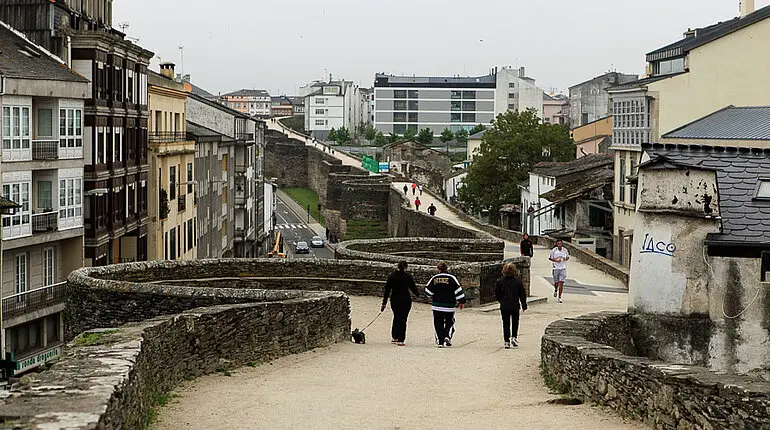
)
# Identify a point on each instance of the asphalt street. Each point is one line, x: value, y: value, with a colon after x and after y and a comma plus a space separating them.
x: 294, y: 229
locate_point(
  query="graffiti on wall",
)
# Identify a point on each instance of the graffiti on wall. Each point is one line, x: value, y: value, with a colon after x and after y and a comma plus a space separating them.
x: 651, y: 246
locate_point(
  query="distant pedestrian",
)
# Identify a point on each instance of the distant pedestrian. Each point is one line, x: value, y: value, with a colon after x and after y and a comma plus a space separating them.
x: 445, y: 293
x: 420, y: 188
x: 559, y: 257
x: 510, y: 292
x: 398, y: 286
x: 526, y: 247
x: 414, y: 188
x: 432, y: 209
x: 417, y: 203
x: 406, y: 189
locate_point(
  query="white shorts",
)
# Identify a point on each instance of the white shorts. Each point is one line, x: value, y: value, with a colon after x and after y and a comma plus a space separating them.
x: 559, y: 275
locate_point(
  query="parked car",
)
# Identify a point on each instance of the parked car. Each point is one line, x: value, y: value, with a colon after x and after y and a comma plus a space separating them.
x: 301, y: 248
x: 317, y: 242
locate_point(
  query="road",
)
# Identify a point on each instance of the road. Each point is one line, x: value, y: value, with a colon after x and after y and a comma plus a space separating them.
x: 294, y: 229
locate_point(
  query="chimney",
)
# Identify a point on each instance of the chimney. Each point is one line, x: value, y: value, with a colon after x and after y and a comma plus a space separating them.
x: 747, y: 7
x: 167, y: 69
x: 522, y: 72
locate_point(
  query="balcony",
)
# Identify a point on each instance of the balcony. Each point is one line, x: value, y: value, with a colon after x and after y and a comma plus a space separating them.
x: 45, y: 222
x: 240, y: 234
x: 30, y: 301
x: 181, y: 202
x: 247, y: 137
x: 43, y: 150
x: 167, y: 136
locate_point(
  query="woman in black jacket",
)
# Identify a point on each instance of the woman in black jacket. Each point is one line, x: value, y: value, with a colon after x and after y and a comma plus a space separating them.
x: 397, y: 288
x: 509, y: 291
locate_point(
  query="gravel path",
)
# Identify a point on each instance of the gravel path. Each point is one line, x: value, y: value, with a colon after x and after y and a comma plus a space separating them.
x: 474, y: 384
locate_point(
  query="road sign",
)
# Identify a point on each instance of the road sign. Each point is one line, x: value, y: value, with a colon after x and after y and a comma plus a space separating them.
x: 370, y: 164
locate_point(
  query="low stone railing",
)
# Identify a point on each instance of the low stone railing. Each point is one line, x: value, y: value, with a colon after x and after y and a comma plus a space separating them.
x: 592, y: 358
x: 422, y: 250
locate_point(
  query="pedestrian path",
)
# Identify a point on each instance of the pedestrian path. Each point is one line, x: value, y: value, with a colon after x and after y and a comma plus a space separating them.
x: 346, y: 159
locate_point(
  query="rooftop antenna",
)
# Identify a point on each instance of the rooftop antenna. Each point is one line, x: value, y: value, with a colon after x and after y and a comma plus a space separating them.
x: 123, y: 26
x: 181, y: 53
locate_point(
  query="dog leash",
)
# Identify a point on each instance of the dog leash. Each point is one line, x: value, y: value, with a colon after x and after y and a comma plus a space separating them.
x: 375, y: 319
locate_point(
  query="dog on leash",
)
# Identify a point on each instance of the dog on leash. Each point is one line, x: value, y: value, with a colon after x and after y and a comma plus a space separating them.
x: 358, y: 336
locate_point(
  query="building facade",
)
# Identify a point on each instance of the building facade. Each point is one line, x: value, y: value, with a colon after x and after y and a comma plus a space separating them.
x: 172, y: 186
x: 686, y: 80
x: 555, y: 109
x: 593, y: 138
x: 589, y: 100
x: 229, y: 155
x: 332, y: 105
x: 249, y: 102
x: 42, y: 136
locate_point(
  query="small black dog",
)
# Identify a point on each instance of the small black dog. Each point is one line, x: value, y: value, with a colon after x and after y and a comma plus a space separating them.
x: 358, y: 336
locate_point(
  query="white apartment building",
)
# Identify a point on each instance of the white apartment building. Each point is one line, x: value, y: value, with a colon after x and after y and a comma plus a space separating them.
x: 441, y: 102
x: 333, y: 104
x: 43, y: 140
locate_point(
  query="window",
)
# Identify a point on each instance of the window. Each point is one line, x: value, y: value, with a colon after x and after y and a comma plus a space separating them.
x: 584, y: 118
x: 20, y: 273
x: 469, y: 117
x: 469, y: 106
x: 16, y: 125
x: 399, y: 129
x: 622, y: 181
x: 456, y: 117
x: 456, y: 106
x: 49, y: 268
x: 53, y: 328
x: 413, y: 94
x: 44, y: 196
x: 399, y: 94
x: 399, y: 116
x: 413, y: 117
x: 763, y: 189
x: 189, y: 178
x: 45, y: 122
x: 178, y: 241
x: 596, y: 217
x: 165, y: 246
x: 189, y: 235
x: 511, y: 85
x: 172, y: 182
x: 511, y: 95
x: 70, y: 128
x: 172, y: 244
x: 320, y: 111
x: 512, y: 107
x: 399, y: 105
x: 765, y: 263
x: 70, y: 198
x: 19, y: 193
x: 414, y: 105
x: 320, y: 122
x: 469, y: 94
x: 320, y: 100
x: 456, y: 94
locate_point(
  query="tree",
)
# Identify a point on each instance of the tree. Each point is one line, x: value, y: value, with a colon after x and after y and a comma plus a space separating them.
x: 462, y: 137
x: 392, y: 138
x: 370, y: 133
x: 425, y: 136
x: 343, y: 136
x: 380, y: 139
x: 477, y: 129
x: 509, y: 150
x: 410, y: 133
x: 332, y: 135
x: 446, y: 136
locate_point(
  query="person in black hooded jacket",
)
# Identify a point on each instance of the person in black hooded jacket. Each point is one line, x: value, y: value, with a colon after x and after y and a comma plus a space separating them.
x: 397, y: 287
x: 510, y: 292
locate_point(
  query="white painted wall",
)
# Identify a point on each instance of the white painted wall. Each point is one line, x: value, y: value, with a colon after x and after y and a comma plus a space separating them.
x: 453, y: 184
x: 538, y: 185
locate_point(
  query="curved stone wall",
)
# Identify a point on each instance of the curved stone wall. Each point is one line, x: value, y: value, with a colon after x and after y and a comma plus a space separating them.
x: 593, y: 357
x: 422, y: 250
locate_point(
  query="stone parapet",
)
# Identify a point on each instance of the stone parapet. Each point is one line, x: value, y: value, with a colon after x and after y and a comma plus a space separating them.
x: 591, y: 357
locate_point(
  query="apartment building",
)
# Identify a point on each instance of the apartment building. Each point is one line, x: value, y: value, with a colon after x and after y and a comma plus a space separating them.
x: 228, y: 171
x: 332, y: 105
x: 172, y: 186
x: 555, y: 109
x: 589, y: 100
x: 249, y: 102
x: 440, y: 102
x: 43, y: 139
x: 708, y: 69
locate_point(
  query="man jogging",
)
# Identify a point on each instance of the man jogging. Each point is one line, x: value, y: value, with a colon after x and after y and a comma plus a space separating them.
x: 432, y: 209
x: 526, y: 247
x: 445, y: 293
x: 417, y: 203
x: 405, y: 189
x: 414, y: 188
x: 559, y: 257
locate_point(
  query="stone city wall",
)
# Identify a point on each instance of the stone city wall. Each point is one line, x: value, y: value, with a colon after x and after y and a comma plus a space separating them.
x: 422, y: 250
x: 404, y: 221
x: 286, y: 160
x: 592, y: 357
x: 110, y: 378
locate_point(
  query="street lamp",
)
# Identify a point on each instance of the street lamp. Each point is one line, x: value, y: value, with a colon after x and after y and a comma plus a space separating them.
x: 7, y: 207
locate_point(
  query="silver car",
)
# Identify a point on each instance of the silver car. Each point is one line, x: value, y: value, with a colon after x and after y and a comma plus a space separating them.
x: 317, y: 242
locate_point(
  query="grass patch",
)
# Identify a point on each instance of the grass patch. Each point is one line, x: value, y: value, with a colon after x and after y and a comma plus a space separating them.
x: 92, y: 339
x: 306, y: 197
x: 158, y: 401
x: 296, y: 123
x: 366, y: 229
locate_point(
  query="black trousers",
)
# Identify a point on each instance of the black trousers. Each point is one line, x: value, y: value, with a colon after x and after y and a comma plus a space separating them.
x: 400, y: 315
x: 444, y: 325
x: 510, y: 323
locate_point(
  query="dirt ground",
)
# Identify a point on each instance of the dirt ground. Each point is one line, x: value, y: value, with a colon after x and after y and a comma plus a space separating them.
x: 474, y: 384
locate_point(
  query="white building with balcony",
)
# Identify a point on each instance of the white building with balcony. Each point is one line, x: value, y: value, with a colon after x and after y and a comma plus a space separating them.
x: 41, y: 139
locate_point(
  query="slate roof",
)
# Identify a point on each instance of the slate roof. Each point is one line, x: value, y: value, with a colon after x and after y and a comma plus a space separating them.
x: 198, y: 91
x: 577, y: 188
x: 730, y: 123
x: 247, y: 93
x: 556, y: 169
x: 22, y: 59
x: 745, y: 220
x: 642, y: 82
x: 709, y: 34
x: 8, y: 204
x: 478, y: 135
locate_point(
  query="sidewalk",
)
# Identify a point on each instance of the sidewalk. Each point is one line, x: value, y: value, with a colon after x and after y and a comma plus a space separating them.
x: 301, y: 213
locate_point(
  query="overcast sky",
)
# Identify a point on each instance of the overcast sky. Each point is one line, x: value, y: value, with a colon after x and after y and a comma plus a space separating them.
x: 279, y: 45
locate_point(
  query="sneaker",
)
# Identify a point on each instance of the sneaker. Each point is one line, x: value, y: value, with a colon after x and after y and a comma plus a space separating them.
x: 448, y: 342
x: 560, y: 300
x: 514, y: 342
x: 439, y: 345
x: 393, y: 341
x: 507, y: 345
x: 400, y: 344
x: 555, y: 291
